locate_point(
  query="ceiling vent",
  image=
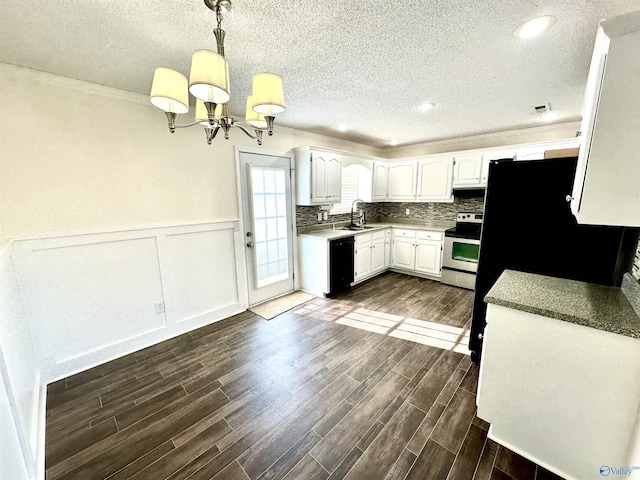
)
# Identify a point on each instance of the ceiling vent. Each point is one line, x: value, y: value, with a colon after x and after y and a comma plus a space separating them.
x: 544, y: 112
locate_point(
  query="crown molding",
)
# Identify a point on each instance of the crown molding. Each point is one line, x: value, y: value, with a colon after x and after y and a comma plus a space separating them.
x: 53, y: 80
x: 491, y: 138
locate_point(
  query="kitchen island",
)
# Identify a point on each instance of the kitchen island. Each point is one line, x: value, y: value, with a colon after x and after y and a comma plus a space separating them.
x: 560, y: 374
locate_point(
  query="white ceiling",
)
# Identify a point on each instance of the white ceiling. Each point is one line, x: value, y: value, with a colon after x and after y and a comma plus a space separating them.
x: 363, y: 63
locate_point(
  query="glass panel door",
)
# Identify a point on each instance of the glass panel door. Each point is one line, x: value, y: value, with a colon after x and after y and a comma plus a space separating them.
x: 268, y: 228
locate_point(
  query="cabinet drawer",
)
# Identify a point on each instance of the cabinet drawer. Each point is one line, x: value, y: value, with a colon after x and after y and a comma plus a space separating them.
x: 363, y: 238
x: 377, y: 235
x: 401, y: 232
x: 424, y: 235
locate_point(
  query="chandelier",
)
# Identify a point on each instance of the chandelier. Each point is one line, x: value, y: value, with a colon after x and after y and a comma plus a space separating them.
x: 209, y: 84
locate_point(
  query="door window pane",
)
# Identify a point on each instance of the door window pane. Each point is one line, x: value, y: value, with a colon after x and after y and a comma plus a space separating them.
x: 270, y: 224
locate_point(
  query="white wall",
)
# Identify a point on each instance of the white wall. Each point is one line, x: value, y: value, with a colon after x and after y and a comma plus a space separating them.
x: 20, y: 382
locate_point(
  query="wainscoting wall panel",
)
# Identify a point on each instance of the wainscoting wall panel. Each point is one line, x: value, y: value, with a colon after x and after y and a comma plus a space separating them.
x: 95, y: 294
x: 202, y: 272
x: 95, y: 297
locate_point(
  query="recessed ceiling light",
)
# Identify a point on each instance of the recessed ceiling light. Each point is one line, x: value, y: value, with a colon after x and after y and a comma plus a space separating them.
x: 343, y: 127
x: 549, y: 116
x: 426, y: 106
x: 393, y: 142
x: 534, y: 27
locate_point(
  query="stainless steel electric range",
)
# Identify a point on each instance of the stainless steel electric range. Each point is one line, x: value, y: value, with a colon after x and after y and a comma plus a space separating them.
x: 461, y: 249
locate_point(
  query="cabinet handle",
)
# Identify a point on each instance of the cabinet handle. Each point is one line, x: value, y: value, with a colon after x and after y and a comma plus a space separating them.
x: 569, y: 198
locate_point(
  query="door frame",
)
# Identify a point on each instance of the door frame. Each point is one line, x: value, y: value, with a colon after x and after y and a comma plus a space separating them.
x: 245, y: 274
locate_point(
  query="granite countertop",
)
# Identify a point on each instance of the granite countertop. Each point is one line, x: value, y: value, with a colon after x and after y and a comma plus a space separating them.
x: 595, y: 306
x: 330, y: 234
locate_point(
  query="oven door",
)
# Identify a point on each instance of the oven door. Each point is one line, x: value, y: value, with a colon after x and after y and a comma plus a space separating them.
x: 461, y: 254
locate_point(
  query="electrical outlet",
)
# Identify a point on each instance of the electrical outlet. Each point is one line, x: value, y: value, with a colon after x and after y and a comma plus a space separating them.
x: 326, y: 215
x: 319, y: 216
x: 159, y: 307
x: 408, y: 211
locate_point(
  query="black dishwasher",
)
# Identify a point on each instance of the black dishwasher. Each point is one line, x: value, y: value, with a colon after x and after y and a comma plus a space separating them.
x: 340, y: 264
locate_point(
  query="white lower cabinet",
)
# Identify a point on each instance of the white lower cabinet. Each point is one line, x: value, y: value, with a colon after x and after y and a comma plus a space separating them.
x: 418, y: 251
x: 377, y: 255
x: 362, y: 261
x: 428, y: 257
x: 371, y: 256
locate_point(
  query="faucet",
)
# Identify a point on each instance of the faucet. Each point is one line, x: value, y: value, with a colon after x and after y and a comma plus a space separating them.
x: 354, y: 202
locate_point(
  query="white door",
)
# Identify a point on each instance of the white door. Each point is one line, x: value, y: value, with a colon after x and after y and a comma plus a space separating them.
x: 403, y: 253
x: 402, y: 181
x: 435, y: 179
x: 377, y: 255
x: 429, y: 257
x: 268, y: 228
x: 333, y: 180
x: 363, y: 261
x: 467, y: 170
x: 380, y: 180
x: 318, y: 178
x: 387, y: 251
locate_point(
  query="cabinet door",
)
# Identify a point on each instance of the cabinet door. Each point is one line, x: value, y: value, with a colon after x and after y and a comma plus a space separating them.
x: 466, y: 172
x: 377, y: 255
x: 429, y: 257
x: 403, y: 253
x: 387, y: 252
x: 435, y: 179
x: 402, y: 181
x: 380, y: 181
x: 333, y: 179
x: 318, y: 175
x: 484, y: 171
x: 363, y: 261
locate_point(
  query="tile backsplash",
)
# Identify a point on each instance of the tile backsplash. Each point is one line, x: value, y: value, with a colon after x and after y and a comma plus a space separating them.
x: 472, y: 201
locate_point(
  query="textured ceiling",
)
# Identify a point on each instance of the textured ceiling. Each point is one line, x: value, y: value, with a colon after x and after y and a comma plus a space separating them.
x: 362, y: 63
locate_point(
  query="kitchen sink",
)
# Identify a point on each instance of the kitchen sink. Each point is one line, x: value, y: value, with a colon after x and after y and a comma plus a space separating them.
x: 358, y: 227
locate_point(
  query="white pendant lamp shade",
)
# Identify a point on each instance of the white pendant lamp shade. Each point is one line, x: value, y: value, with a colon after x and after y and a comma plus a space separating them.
x: 201, y: 112
x: 268, y: 96
x: 209, y: 77
x: 169, y: 91
x: 252, y: 117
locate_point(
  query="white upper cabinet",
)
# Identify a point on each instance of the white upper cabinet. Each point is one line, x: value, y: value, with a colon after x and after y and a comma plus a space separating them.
x: 606, y: 190
x: 466, y: 171
x: 435, y: 180
x: 380, y: 181
x: 318, y: 177
x: 332, y: 177
x: 402, y: 181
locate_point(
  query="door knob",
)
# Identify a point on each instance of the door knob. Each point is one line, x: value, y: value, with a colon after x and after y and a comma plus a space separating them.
x: 568, y: 198
x: 250, y: 244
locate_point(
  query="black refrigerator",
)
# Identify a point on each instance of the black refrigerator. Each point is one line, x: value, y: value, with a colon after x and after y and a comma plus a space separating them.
x: 528, y: 226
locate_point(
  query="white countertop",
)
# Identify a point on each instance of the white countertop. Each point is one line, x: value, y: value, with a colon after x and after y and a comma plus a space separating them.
x: 330, y: 234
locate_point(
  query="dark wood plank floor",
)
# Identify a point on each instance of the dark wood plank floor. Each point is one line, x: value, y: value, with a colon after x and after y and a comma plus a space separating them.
x: 298, y: 397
